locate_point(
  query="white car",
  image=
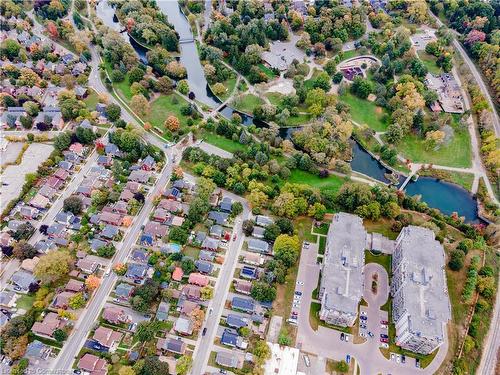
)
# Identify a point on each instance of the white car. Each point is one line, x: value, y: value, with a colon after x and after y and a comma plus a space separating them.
x: 398, y: 359
x: 363, y: 313
x: 346, y: 338
x: 300, y: 283
x: 384, y: 345
x: 383, y: 326
x: 393, y: 356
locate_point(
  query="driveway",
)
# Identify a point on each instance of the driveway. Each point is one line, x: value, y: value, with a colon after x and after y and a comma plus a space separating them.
x: 326, y: 342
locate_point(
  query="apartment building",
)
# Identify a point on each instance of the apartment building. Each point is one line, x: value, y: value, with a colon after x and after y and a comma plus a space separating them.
x: 420, y: 306
x: 341, y: 286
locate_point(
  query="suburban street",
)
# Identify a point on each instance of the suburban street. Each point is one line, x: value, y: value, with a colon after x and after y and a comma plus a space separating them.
x: 326, y: 342
x: 205, y: 343
x: 90, y: 315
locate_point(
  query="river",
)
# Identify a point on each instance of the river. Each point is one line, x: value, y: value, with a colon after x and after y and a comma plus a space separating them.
x: 446, y: 197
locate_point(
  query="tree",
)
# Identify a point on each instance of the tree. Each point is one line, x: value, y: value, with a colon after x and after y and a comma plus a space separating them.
x: 247, y: 227
x: 317, y: 210
x: 73, y: 204
x: 236, y: 209
x: 10, y: 48
x: 353, y: 195
x: 261, y: 352
x: 361, y: 87
x: 59, y: 335
x: 153, y: 366
x: 14, y: 347
x: 62, y: 141
x: 113, y: 112
x: 23, y: 232
x: 262, y: 291
x: 271, y: 232
x: 183, y: 87
x: 172, y: 123
x: 135, y: 75
x: 53, y: 266
x: 207, y: 292
x: 165, y: 85
x: 342, y: 367
x: 197, y: 316
x: 92, y: 282
x: 126, y: 370
x: 146, y: 331
x: 178, y: 235
x: 23, y: 250
x: 187, y: 265
x: 77, y: 301
x: 456, y: 260
x: 219, y: 89
x: 85, y: 135
x: 139, y: 105
x: 184, y: 364
x: 286, y: 248
x: 106, y: 251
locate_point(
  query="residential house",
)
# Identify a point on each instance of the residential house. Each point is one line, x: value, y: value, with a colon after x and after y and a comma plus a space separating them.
x: 160, y: 215
x: 232, y: 339
x: 226, y: 359
x: 263, y: 221
x: 56, y: 230
x: 48, y: 325
x: 187, y: 307
x: 136, y: 271
x: 105, y: 160
x: 107, y: 338
x: 218, y: 217
x: 29, y: 213
x: 204, y: 267
x: 64, y: 218
x: 39, y: 201
x: 87, y: 265
x: 162, y: 311
x: 176, y: 346
x: 54, y: 182
x: 236, y: 321
x: 258, y: 246
x: 171, y: 205
x: 111, y: 218
x: 253, y: 259
x: 61, y: 174
x: 216, y: 231
x: 77, y: 148
x: 248, y: 272
x: 134, y: 187
x: 61, y: 300
x: 243, y: 304
x: 29, y: 264
x: 23, y: 280
x: 226, y: 204
x: 141, y: 176
x: 140, y: 255
x: 148, y: 163
x: 123, y: 291
x: 206, y: 255
x: 11, y: 117
x: 210, y: 244
x: 74, y: 286
x: 50, y: 116
x: 93, y: 365
x: 258, y: 232
x: 177, y: 274
x: 198, y: 279
x: 36, y: 351
x: 110, y: 232
x: 191, y: 292
x: 243, y: 286
x: 184, y: 326
x: 115, y: 315
x: 156, y: 230
x: 126, y: 195
x: 96, y: 244
x: 47, y: 191
x: 80, y: 92
x: 8, y: 299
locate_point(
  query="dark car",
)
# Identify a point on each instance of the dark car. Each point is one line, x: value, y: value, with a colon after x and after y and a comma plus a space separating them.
x: 417, y: 363
x: 297, y: 293
x: 204, y: 331
x: 403, y: 358
x: 384, y: 336
x: 362, y: 317
x: 342, y: 336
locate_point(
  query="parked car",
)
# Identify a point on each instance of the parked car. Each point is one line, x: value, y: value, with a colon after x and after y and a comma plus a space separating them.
x: 417, y: 363
x: 342, y: 336
x: 403, y: 358
x: 363, y: 317
x: 297, y: 293
x: 384, y: 322
x: 204, y: 331
x: 307, y: 361
x: 370, y: 334
x: 384, y: 340
x: 346, y: 338
x: 348, y: 358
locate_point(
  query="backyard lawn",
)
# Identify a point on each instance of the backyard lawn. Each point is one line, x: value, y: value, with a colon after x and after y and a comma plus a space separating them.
x: 222, y: 142
x: 457, y: 153
x: 25, y: 302
x: 365, y: 112
x: 247, y: 103
x: 91, y: 100
x: 332, y: 182
x: 164, y: 106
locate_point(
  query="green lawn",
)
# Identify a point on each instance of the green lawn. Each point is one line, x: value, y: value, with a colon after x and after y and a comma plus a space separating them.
x: 463, y: 179
x: 229, y: 85
x: 349, y: 54
x: 332, y: 182
x: 25, y: 302
x: 322, y: 245
x: 247, y: 103
x: 382, y: 226
x: 122, y: 87
x: 301, y: 119
x: 163, y: 106
x: 191, y: 251
x: 430, y: 62
x: 382, y: 259
x: 365, y: 112
x: 274, y: 97
x: 223, y: 143
x: 91, y: 100
x: 457, y: 153
x: 322, y: 229
x: 268, y: 72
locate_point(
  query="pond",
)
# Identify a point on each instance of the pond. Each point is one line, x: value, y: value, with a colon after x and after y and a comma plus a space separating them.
x: 107, y: 14
x: 446, y: 197
x: 366, y: 164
